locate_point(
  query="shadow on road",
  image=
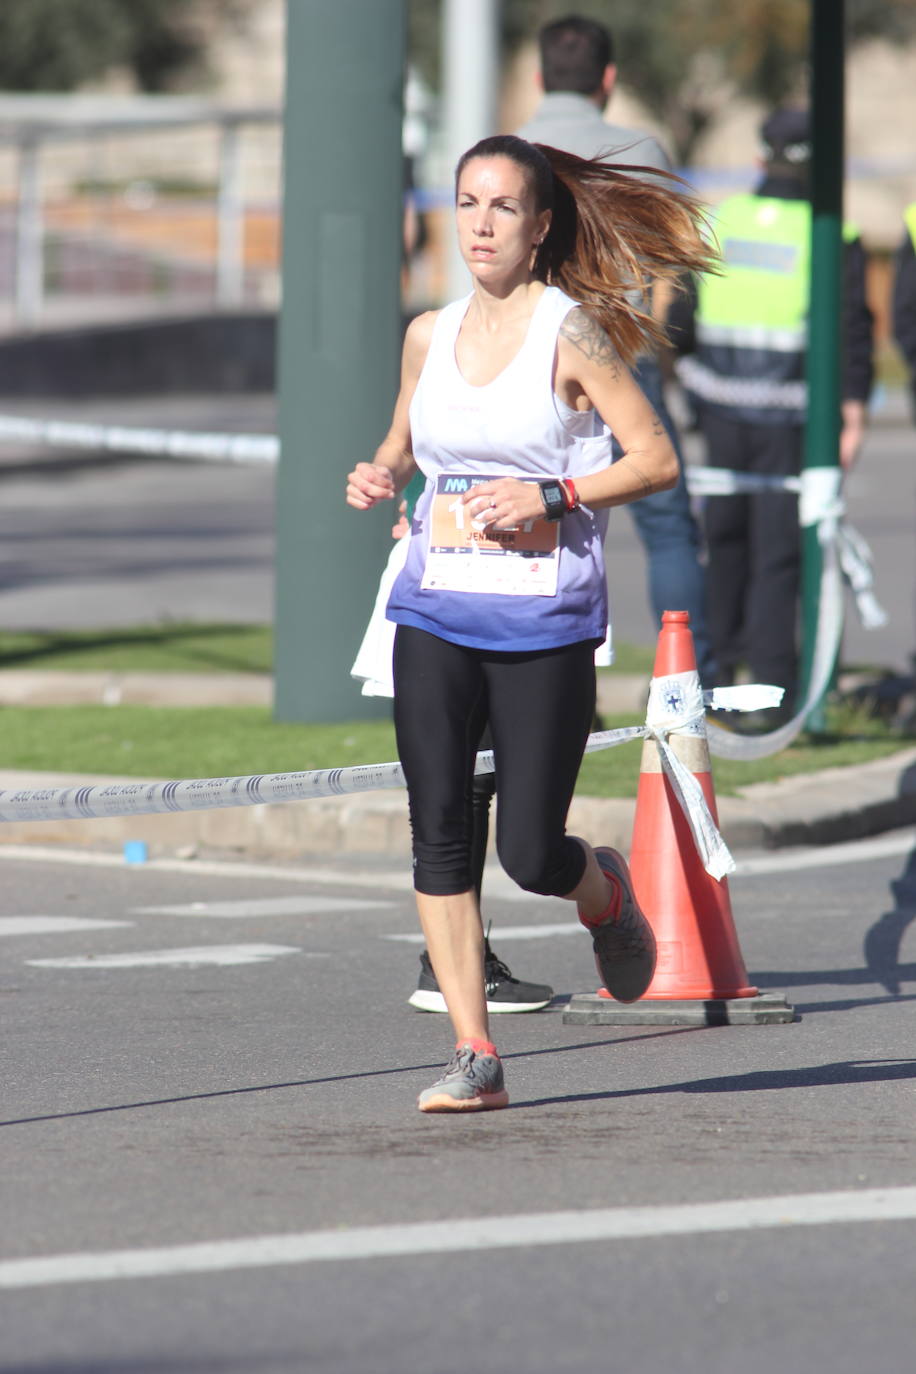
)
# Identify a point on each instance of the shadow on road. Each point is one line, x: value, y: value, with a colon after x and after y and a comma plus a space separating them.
x: 433, y: 1067
x: 844, y: 1071
x: 883, y: 940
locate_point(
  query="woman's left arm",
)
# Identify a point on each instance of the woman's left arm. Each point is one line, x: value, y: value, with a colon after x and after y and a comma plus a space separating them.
x: 589, y: 367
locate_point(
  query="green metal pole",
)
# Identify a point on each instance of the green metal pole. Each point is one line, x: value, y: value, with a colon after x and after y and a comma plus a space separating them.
x: 339, y: 342
x: 822, y: 431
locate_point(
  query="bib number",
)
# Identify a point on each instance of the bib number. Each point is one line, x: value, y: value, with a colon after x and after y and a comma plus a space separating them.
x: 466, y: 555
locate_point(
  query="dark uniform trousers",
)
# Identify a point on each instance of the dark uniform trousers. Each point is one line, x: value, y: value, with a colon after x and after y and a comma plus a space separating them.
x: 754, y: 554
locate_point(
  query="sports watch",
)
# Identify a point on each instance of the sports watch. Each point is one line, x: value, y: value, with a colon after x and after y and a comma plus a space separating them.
x: 554, y: 498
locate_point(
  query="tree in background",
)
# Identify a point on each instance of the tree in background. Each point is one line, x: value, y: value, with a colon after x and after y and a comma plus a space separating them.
x: 59, y: 45
x: 687, y: 62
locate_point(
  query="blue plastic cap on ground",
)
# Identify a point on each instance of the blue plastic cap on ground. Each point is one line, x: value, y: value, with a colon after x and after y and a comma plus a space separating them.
x: 135, y: 852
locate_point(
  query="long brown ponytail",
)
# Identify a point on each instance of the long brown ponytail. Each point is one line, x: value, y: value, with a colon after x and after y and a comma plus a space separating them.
x: 614, y: 231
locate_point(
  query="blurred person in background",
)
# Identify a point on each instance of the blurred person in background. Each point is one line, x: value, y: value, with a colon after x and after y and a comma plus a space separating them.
x: 904, y: 298
x: 578, y: 74
x: 903, y: 321
x: 742, y: 334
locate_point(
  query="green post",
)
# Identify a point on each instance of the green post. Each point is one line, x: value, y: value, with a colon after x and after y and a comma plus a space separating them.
x: 822, y: 431
x: 339, y: 339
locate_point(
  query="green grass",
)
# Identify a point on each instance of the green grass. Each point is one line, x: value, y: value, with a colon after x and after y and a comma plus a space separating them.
x: 181, y: 742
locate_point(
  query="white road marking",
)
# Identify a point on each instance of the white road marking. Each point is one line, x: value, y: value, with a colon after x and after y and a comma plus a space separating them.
x: 472, y: 1234
x: 266, y: 906
x: 53, y: 925
x: 176, y: 958
x: 509, y: 933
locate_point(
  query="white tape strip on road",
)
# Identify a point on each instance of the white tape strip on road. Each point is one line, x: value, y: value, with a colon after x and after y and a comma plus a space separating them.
x: 476, y: 1234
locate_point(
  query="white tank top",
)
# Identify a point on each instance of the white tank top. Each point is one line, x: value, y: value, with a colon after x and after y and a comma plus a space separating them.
x: 515, y: 425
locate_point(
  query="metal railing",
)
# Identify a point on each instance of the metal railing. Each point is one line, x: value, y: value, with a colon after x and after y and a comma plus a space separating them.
x: 56, y: 138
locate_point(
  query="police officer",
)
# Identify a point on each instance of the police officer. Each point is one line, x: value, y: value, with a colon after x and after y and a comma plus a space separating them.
x: 745, y: 332
x: 904, y: 297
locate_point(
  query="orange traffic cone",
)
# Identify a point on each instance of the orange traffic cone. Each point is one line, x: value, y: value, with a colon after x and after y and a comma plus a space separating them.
x: 700, y: 975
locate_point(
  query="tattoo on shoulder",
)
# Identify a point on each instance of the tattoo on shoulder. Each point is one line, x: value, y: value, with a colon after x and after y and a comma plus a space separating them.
x: 587, y: 335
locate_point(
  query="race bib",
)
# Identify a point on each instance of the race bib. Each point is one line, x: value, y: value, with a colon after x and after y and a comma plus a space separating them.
x: 466, y: 555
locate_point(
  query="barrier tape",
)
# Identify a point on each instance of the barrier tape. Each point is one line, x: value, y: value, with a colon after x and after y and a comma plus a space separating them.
x: 168, y: 443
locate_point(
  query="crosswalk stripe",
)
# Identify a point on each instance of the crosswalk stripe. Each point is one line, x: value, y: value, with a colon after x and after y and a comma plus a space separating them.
x: 241, y: 908
x: 471, y: 1234
x: 506, y: 933
x: 54, y: 925
x: 175, y: 958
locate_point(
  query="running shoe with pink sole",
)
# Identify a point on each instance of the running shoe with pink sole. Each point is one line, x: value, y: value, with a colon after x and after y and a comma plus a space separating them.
x: 624, y: 945
x: 471, y: 1082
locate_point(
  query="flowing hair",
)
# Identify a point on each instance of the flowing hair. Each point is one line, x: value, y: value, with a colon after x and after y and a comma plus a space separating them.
x: 614, y: 230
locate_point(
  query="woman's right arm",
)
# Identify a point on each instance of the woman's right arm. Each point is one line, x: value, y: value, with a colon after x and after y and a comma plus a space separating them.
x: 393, y: 465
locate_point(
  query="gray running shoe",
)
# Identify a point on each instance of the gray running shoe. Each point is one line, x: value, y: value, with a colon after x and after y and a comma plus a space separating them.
x: 625, y: 947
x: 471, y: 1083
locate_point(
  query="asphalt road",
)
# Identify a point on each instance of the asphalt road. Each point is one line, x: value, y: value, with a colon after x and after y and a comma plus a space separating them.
x: 209, y: 1133
x: 89, y: 541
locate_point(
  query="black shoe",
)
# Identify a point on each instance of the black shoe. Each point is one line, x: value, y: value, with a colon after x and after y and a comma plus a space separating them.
x: 504, y: 993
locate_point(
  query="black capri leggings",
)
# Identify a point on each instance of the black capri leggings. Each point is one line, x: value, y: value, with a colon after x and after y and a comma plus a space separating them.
x: 540, y: 708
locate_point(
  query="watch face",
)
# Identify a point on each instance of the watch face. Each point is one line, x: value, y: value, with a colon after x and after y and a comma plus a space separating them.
x: 554, y: 500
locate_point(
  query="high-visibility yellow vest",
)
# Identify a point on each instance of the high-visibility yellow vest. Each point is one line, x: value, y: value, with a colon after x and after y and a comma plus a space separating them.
x: 909, y: 216
x: 751, y: 319
x: 760, y: 300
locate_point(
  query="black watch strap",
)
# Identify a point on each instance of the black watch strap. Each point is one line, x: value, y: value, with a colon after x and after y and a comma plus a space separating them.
x: 554, y: 498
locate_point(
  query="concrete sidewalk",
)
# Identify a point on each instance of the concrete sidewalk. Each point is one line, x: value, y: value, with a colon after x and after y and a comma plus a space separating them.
x: 821, y: 808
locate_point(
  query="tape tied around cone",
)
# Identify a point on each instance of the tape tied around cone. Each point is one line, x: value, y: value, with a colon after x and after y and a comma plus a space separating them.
x: 676, y: 707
